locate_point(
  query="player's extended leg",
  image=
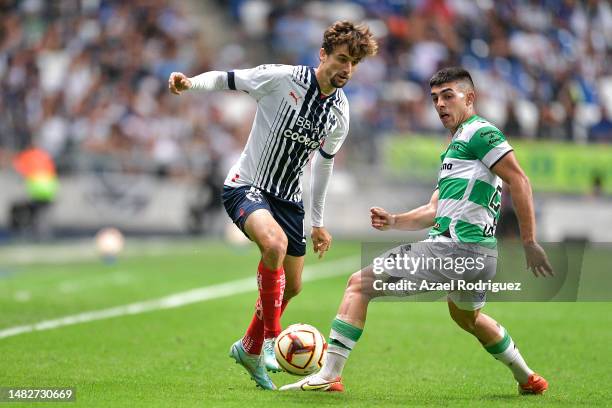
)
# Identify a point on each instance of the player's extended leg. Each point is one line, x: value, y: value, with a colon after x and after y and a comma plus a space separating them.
x: 496, y: 340
x: 346, y: 330
x: 293, y: 265
x: 272, y: 242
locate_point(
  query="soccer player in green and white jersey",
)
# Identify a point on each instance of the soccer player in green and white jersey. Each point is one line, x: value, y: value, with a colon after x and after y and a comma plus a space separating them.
x: 463, y: 213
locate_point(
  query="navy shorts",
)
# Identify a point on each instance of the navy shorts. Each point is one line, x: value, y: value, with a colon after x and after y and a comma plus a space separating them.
x: 241, y: 201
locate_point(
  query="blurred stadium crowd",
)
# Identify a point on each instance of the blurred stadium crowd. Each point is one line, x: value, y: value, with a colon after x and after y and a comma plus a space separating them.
x: 542, y: 67
x: 86, y: 79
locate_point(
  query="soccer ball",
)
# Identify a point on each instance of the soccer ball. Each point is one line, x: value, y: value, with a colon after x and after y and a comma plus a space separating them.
x: 109, y: 243
x: 300, y: 349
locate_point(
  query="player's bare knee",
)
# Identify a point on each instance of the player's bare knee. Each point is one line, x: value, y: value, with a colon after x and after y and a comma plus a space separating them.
x: 361, y: 283
x: 274, y: 246
x: 354, y: 282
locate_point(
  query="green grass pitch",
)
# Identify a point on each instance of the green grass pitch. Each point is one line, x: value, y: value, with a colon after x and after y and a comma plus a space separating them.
x: 411, y: 354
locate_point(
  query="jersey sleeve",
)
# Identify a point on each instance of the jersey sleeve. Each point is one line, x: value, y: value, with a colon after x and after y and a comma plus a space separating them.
x: 257, y: 82
x: 489, y: 145
x: 334, y: 141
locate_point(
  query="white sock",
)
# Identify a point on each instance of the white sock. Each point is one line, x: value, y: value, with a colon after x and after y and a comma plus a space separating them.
x: 334, y: 363
x: 342, y: 338
x: 507, y: 352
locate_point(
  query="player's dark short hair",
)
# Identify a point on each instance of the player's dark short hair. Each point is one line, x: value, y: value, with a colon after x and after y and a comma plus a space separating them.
x: 450, y: 74
x: 358, y: 37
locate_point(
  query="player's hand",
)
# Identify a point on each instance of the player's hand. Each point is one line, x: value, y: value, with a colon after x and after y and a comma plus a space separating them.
x: 178, y: 83
x: 321, y: 240
x: 537, y: 260
x: 381, y: 219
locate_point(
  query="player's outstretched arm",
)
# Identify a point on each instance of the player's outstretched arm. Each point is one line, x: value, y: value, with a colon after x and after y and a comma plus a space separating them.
x: 417, y: 219
x: 178, y: 82
x: 511, y: 173
x: 208, y: 81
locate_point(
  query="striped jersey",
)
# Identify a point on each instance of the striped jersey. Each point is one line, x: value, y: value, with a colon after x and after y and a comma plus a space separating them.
x: 292, y: 120
x: 469, y: 192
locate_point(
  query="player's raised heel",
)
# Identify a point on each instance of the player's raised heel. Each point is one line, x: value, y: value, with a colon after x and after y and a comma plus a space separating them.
x: 253, y: 364
x: 315, y: 383
x: 535, y: 385
x: 269, y: 356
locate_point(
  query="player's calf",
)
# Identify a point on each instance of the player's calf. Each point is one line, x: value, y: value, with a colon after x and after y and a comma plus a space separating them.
x: 476, y: 323
x: 497, y: 342
x: 292, y: 289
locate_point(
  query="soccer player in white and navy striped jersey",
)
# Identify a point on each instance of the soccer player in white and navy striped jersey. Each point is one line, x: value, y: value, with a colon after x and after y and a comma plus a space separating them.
x: 302, y: 113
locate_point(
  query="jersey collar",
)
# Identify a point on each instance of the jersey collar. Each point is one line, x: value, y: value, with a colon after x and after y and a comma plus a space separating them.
x: 471, y: 119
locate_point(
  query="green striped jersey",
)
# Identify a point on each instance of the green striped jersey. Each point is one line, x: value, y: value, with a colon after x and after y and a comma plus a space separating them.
x: 470, y: 193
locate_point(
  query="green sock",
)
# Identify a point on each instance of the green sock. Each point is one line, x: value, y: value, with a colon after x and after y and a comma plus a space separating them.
x: 342, y: 339
x: 344, y: 335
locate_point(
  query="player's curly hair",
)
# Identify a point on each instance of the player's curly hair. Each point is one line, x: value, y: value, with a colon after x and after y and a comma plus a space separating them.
x: 358, y: 37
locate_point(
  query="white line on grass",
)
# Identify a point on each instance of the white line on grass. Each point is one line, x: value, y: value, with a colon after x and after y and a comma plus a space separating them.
x: 311, y: 273
x: 117, y: 278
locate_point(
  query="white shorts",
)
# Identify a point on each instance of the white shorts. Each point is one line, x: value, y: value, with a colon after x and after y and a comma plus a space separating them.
x: 437, y: 263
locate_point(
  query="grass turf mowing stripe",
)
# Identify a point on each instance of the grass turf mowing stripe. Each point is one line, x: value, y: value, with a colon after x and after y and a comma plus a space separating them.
x: 326, y: 270
x: 83, y: 250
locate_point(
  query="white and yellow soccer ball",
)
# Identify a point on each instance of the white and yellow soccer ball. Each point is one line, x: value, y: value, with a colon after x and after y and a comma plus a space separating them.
x: 300, y: 349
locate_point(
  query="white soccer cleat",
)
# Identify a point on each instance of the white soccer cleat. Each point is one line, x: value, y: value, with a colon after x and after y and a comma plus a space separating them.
x: 315, y: 383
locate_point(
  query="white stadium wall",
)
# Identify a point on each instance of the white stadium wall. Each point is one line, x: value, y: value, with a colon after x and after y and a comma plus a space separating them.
x: 129, y: 202
x: 147, y: 204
